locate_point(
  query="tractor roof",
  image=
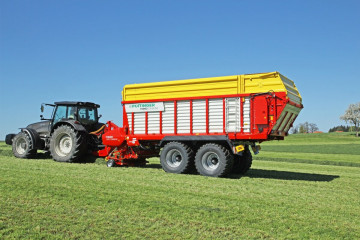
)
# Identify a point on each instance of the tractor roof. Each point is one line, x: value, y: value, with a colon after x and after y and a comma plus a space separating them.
x: 86, y: 104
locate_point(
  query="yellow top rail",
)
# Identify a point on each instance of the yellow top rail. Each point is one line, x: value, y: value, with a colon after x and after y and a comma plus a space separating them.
x: 202, y: 87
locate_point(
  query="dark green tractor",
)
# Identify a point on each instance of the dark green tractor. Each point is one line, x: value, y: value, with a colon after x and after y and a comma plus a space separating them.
x: 66, y: 135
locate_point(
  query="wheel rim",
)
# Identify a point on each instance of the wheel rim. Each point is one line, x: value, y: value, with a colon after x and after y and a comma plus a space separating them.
x: 210, y: 161
x: 63, y: 144
x: 21, y: 146
x: 174, y: 158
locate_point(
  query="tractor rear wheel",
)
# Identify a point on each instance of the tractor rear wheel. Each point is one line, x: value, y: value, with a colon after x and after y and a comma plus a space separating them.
x: 66, y: 144
x: 213, y: 160
x: 243, y: 163
x: 22, y: 146
x: 177, y: 157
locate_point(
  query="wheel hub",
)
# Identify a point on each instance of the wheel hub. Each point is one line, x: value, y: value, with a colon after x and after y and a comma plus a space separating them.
x: 210, y: 161
x: 173, y: 158
x: 63, y: 144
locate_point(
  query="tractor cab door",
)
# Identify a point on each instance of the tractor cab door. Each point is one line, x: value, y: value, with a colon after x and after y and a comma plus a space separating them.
x: 62, y: 112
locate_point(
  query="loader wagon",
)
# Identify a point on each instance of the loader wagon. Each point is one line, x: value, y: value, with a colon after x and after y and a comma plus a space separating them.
x: 206, y: 125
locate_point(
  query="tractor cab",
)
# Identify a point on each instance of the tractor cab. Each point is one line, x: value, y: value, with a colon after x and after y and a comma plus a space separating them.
x: 81, y: 113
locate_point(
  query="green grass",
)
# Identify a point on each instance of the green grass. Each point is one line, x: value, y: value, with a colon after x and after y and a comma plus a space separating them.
x: 340, y: 149
x: 279, y: 198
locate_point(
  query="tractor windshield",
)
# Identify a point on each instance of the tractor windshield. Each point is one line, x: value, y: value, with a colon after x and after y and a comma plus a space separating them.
x: 87, y: 115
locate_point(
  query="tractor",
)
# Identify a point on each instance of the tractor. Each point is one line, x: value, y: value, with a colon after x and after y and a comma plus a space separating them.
x: 71, y: 132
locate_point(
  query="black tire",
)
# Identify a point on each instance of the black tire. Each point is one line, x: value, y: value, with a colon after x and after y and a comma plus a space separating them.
x: 22, y: 146
x: 243, y: 163
x: 213, y: 160
x: 110, y: 163
x: 66, y: 144
x: 177, y: 157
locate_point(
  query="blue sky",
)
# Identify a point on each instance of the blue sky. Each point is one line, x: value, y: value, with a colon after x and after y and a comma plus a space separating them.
x: 88, y: 50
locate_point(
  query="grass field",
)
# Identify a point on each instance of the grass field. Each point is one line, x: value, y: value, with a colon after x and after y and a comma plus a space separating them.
x: 306, y: 187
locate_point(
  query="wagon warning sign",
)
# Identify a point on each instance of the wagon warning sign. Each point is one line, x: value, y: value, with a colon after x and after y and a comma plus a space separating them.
x: 145, y: 107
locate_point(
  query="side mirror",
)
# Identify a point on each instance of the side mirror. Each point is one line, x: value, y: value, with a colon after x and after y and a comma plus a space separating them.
x: 42, y: 108
x: 99, y: 116
x: 41, y: 117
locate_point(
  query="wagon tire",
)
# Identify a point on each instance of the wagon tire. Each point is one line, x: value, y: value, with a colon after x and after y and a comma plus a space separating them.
x: 243, y: 163
x: 213, y: 160
x: 22, y: 146
x: 66, y: 144
x: 177, y: 157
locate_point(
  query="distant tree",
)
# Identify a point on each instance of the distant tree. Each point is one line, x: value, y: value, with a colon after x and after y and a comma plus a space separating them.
x: 352, y: 115
x: 294, y: 130
x: 305, y: 127
x: 313, y: 127
x: 302, y: 128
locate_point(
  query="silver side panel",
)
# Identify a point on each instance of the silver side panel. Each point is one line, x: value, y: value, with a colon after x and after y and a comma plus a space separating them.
x: 246, y: 115
x: 199, y: 116
x: 129, y: 116
x: 232, y: 114
x: 216, y: 115
x: 139, y: 123
x: 154, y: 122
x: 183, y: 117
x: 168, y: 118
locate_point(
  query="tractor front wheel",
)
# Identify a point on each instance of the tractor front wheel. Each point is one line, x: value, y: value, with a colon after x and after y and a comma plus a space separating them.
x: 66, y: 144
x: 22, y: 146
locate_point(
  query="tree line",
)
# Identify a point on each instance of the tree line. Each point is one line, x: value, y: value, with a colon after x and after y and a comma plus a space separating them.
x: 342, y: 128
x: 305, y: 127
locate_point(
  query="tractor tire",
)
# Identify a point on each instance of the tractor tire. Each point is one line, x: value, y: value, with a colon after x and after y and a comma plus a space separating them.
x: 213, y: 160
x: 66, y: 144
x: 177, y: 157
x: 243, y: 163
x: 22, y: 146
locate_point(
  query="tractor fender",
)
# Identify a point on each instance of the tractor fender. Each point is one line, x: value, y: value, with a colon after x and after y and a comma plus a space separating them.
x: 34, y: 137
x: 72, y: 123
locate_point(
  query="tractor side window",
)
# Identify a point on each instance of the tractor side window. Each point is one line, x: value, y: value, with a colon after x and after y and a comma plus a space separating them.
x: 87, y: 115
x: 60, y: 113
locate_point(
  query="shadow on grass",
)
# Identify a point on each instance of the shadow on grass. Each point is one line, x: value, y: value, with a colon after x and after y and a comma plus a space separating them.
x: 152, y: 165
x: 284, y: 175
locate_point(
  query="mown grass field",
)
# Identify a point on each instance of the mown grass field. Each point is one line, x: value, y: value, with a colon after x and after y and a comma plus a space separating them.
x: 306, y: 187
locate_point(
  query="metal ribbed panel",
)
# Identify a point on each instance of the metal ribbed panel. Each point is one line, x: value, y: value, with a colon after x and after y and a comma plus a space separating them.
x: 232, y: 110
x: 199, y: 116
x: 183, y: 116
x: 280, y: 123
x: 285, y: 122
x: 139, y: 123
x: 129, y: 117
x: 246, y: 114
x: 153, y: 122
x: 216, y: 115
x: 168, y: 118
x: 280, y: 120
x: 292, y: 92
x: 287, y: 127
